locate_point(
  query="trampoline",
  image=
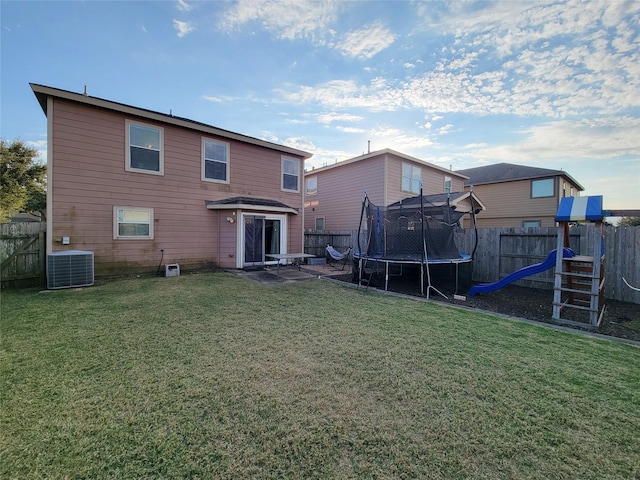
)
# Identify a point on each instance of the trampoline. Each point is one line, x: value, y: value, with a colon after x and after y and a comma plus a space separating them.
x: 413, y: 232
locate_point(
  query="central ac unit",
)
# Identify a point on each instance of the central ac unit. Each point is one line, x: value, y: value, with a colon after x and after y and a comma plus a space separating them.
x: 69, y: 268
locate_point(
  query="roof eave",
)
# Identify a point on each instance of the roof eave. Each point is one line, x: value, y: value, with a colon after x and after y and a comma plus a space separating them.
x: 250, y: 207
x: 475, y: 199
x: 42, y: 92
x: 377, y: 153
x: 530, y: 177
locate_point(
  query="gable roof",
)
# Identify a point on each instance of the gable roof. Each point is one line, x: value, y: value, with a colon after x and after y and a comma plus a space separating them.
x: 439, y: 200
x: 509, y: 172
x: 42, y: 92
x: 249, y: 203
x: 377, y: 153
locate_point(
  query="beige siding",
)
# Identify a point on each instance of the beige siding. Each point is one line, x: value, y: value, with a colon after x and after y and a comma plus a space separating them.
x: 510, y: 203
x: 340, y: 192
x: 432, y: 180
x: 89, y: 179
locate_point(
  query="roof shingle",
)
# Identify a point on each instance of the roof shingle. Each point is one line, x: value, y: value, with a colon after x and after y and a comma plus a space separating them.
x: 508, y: 172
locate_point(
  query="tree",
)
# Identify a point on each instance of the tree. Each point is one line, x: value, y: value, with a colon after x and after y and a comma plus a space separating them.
x: 22, y: 180
x: 629, y: 221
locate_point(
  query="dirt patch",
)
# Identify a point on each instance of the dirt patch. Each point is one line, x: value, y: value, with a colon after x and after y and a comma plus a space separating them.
x: 620, y: 319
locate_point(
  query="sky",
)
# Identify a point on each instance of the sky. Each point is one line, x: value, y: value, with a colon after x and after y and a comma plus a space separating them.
x: 459, y: 84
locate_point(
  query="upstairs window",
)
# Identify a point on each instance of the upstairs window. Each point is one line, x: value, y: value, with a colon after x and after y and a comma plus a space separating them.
x: 132, y: 222
x: 290, y: 174
x: 144, y: 149
x: 411, y: 178
x: 215, y: 161
x: 447, y: 184
x: 312, y: 185
x: 542, y: 188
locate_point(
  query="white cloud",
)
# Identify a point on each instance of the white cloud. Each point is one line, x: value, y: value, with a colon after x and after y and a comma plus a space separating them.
x: 183, y: 6
x: 463, y: 62
x: 41, y: 149
x: 366, y: 42
x: 446, y: 129
x: 300, y: 143
x: 557, y: 59
x: 397, y: 139
x: 37, y: 144
x: 286, y: 19
x: 548, y: 76
x: 219, y: 99
x: 598, y: 139
x: 323, y: 157
x: 296, y: 121
x: 472, y: 146
x: 183, y: 28
x: 339, y: 94
x: 337, y: 117
x: 350, y: 129
x: 270, y: 137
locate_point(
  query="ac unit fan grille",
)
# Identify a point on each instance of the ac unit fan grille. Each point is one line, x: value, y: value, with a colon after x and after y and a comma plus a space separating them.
x: 73, y: 268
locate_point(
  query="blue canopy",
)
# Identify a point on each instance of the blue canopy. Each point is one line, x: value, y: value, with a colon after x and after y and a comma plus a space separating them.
x: 580, y: 209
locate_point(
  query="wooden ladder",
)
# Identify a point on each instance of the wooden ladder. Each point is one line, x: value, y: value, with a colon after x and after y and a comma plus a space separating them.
x: 579, y: 284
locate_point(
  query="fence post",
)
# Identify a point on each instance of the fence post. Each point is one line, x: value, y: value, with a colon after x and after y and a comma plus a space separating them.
x: 42, y: 249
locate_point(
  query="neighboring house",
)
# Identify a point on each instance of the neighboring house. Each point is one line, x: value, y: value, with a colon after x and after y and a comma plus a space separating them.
x: 334, y: 193
x: 141, y: 188
x: 519, y: 196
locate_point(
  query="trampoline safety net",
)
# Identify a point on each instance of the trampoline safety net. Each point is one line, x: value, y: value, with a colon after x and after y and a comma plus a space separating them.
x: 395, y: 232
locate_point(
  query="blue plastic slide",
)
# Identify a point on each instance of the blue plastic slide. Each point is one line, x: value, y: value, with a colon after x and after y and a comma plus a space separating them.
x: 548, y: 263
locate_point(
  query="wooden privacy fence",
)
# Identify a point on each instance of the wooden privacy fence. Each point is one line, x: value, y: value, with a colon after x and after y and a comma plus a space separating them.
x: 504, y: 250
x: 316, y: 241
x: 501, y: 251
x: 22, y: 254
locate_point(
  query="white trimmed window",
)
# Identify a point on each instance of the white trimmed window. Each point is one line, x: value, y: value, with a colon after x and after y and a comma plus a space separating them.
x: 144, y: 149
x: 447, y: 184
x: 411, y: 178
x: 542, y: 188
x: 290, y: 174
x: 312, y: 185
x: 319, y: 223
x: 215, y: 161
x: 132, y: 223
x: 531, y: 223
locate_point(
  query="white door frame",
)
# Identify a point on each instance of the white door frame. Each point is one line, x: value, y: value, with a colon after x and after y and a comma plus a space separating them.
x: 267, y: 216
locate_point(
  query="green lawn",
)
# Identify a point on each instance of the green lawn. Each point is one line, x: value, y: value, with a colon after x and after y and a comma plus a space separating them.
x: 212, y: 376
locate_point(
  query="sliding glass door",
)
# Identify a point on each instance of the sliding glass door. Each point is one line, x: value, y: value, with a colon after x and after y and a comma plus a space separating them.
x: 263, y: 234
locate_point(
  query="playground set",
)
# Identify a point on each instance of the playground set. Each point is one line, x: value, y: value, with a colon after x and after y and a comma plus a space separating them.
x: 420, y: 232
x: 578, y: 279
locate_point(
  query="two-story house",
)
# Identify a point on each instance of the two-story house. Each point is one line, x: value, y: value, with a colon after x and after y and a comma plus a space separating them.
x: 139, y: 188
x: 518, y: 195
x: 334, y: 193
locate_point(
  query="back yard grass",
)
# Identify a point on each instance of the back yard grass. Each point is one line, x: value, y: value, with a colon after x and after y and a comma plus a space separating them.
x: 214, y: 376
